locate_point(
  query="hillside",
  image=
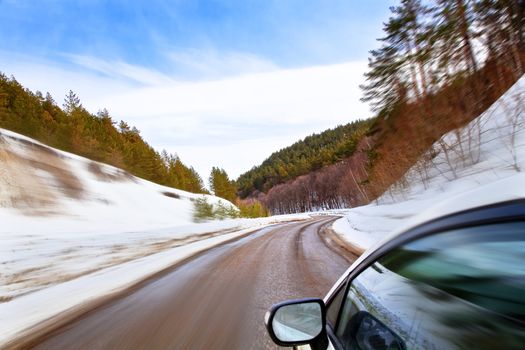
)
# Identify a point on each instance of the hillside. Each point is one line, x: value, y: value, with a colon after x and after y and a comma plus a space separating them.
x: 472, y: 170
x: 98, y: 137
x: 40, y: 181
x: 310, y: 154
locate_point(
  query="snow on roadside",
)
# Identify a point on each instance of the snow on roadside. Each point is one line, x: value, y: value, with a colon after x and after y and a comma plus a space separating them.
x: 73, y: 230
x: 31, y: 262
x: 23, y: 312
x: 489, y: 149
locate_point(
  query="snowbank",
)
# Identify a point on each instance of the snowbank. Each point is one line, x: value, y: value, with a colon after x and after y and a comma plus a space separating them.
x: 489, y: 149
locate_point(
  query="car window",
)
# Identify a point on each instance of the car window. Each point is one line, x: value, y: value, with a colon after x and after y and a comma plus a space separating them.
x: 462, y: 289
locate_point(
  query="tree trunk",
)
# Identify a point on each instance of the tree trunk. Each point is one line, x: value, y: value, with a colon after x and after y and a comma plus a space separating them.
x: 464, y: 28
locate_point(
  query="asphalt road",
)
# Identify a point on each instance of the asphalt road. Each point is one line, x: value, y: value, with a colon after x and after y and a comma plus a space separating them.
x: 216, y: 300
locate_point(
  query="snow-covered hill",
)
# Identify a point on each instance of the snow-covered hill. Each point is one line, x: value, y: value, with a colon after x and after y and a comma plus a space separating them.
x: 72, y: 230
x: 488, y: 150
x: 39, y: 181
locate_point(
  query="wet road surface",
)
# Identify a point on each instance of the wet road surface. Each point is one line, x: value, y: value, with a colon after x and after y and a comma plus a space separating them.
x: 216, y: 300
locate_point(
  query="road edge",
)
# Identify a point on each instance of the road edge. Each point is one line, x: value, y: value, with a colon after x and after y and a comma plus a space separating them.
x: 337, y: 244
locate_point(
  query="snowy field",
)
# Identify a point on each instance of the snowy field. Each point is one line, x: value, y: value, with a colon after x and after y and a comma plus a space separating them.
x: 490, y: 149
x: 72, y: 230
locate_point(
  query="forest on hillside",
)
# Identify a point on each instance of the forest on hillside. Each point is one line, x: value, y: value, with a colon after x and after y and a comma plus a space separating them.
x: 310, y: 154
x: 439, y: 65
x: 95, y: 136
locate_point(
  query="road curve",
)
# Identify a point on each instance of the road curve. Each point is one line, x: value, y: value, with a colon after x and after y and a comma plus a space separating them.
x: 216, y: 300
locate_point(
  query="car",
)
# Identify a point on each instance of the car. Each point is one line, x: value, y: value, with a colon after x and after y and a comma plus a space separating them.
x: 449, y: 281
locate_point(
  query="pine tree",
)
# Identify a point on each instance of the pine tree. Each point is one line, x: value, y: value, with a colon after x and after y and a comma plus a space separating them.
x: 453, y: 35
x: 385, y: 86
x: 195, y: 183
x: 221, y: 185
x: 502, y: 24
x: 71, y: 103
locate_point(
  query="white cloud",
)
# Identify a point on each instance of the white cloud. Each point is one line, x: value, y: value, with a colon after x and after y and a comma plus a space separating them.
x: 284, y: 96
x: 120, y: 70
x: 232, y: 122
x: 210, y: 63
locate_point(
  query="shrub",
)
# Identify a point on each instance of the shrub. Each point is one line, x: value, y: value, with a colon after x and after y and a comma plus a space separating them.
x: 206, y: 211
x: 203, y: 210
x: 252, y: 209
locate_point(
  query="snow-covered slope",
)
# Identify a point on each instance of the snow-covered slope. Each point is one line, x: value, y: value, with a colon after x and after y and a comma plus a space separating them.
x: 489, y: 150
x: 72, y: 230
x: 39, y: 181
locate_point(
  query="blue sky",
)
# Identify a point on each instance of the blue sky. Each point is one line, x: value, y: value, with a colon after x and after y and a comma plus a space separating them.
x: 232, y: 74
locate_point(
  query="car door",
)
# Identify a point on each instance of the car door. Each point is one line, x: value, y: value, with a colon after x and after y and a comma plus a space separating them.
x: 451, y: 285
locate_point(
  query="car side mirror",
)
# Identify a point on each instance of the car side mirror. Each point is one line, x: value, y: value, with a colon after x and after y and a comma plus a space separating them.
x: 297, y: 322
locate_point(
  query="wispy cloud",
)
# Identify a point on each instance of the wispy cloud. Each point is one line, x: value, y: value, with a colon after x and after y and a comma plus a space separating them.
x: 120, y: 70
x: 284, y: 96
x: 213, y: 64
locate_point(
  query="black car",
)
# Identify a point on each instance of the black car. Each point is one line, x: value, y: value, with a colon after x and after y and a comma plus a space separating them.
x: 453, y: 282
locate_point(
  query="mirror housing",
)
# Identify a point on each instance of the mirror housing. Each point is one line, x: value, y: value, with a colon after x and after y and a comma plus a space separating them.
x: 297, y: 322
